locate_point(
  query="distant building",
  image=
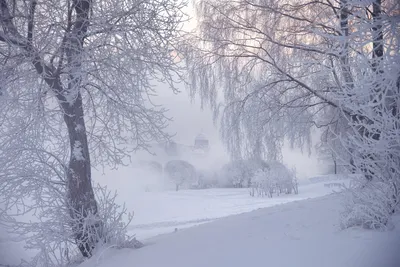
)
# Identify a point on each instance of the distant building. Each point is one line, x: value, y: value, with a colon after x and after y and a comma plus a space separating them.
x: 201, y: 144
x: 173, y: 150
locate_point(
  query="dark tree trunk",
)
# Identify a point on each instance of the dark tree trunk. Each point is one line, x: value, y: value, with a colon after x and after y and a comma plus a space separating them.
x: 344, y: 61
x: 377, y: 52
x: 344, y: 53
x: 335, y: 165
x: 79, y: 187
x: 80, y: 190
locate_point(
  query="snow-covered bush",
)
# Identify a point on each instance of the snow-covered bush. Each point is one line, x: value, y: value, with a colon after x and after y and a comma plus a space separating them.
x: 263, y: 184
x: 376, y: 195
x: 283, y: 176
x: 116, y: 219
x: 181, y: 173
x: 51, y: 231
x: 239, y: 173
x: 236, y: 173
x: 276, y: 179
x: 368, y: 204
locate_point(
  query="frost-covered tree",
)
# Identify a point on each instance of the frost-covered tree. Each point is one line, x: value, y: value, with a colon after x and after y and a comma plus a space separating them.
x: 275, y: 179
x: 77, y: 79
x: 373, y: 101
x: 180, y: 172
x: 236, y: 173
x: 282, y: 64
x: 260, y: 73
x: 330, y: 149
x: 239, y: 173
x: 285, y: 178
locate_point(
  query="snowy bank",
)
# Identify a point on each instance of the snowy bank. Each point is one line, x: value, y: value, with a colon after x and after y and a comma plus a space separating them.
x: 302, y: 234
x: 162, y: 212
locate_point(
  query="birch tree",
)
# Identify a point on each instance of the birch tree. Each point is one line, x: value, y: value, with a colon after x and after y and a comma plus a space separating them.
x: 374, y: 100
x: 78, y: 78
x: 279, y: 65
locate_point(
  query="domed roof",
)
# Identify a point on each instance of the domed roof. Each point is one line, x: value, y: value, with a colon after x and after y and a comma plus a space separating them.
x: 201, y: 137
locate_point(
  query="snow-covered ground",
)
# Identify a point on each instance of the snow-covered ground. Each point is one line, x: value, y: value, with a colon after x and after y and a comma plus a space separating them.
x: 302, y: 234
x: 163, y: 212
x: 266, y: 231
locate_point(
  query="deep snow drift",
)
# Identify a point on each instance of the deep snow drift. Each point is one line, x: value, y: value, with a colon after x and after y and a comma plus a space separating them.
x: 302, y: 234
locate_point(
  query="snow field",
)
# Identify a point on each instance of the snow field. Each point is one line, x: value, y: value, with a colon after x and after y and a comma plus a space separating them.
x: 163, y: 212
x: 302, y: 234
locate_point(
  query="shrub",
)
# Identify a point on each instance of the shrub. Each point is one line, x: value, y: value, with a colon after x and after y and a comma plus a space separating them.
x: 52, y: 234
x: 369, y: 204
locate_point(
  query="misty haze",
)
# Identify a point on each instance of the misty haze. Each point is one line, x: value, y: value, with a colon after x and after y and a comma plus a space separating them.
x: 157, y: 133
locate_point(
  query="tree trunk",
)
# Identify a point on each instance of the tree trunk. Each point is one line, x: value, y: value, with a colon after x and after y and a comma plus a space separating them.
x: 344, y: 53
x: 377, y: 52
x: 335, y: 165
x: 83, y: 209
x: 80, y: 192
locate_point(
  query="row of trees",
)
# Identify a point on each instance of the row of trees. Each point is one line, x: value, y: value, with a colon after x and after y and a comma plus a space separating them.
x: 286, y: 67
x: 263, y: 178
